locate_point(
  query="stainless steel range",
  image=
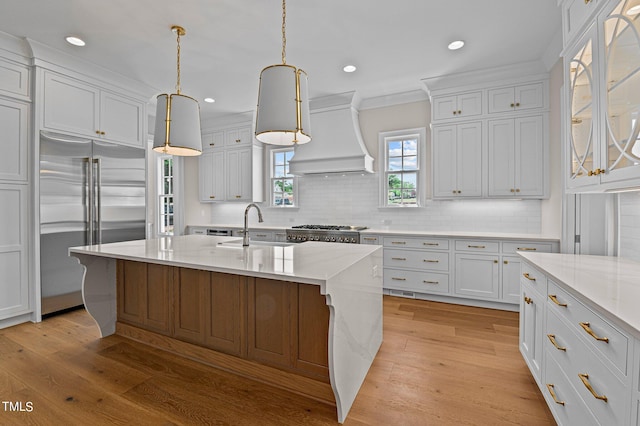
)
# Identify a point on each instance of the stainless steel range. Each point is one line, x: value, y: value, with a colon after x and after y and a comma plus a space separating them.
x: 328, y: 233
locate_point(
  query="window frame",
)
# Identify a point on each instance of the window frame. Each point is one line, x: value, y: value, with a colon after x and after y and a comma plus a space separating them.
x: 272, y: 179
x: 384, y: 138
x: 162, y: 195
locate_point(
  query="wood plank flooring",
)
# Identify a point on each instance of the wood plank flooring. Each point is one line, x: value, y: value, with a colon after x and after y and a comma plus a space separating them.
x: 439, y: 364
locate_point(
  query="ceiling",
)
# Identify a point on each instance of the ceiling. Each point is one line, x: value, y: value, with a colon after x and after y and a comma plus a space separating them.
x: 394, y: 44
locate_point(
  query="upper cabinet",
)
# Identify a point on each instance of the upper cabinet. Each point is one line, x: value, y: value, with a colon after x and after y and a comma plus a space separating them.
x: 516, y: 98
x: 602, y: 69
x: 84, y: 109
x: 490, y: 139
x: 575, y: 15
x: 457, y: 106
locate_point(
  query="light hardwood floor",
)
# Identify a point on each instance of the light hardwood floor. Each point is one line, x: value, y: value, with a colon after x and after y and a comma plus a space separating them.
x: 439, y: 364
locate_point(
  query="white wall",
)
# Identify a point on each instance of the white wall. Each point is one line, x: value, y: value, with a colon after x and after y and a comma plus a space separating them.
x: 353, y: 199
x: 629, y: 225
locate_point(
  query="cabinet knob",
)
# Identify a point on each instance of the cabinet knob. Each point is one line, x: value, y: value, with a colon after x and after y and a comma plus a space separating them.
x: 506, y: 262
x: 212, y: 144
x: 528, y: 300
x: 97, y: 132
x: 237, y: 140
x: 517, y: 104
x: 587, y: 1
x: 512, y: 105
x: 459, y: 112
x: 455, y: 112
x: 212, y: 196
x: 238, y: 196
x: 517, y: 189
x: 512, y: 190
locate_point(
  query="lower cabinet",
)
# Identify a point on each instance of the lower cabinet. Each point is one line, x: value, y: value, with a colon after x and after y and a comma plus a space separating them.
x: 477, y: 275
x: 277, y: 323
x: 581, y: 360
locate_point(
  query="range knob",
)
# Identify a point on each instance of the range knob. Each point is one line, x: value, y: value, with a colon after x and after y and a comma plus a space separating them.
x: 353, y: 240
x: 316, y: 238
x: 340, y: 239
x: 304, y: 238
x: 326, y: 239
x: 333, y: 239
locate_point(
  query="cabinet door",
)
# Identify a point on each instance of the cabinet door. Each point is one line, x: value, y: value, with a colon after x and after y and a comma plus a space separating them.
x: 511, y: 279
x: 212, y: 140
x: 226, y: 312
x: 444, y: 108
x: 14, y: 285
x: 238, y: 137
x: 311, y: 331
x: 239, y: 175
x: 121, y: 119
x: 212, y: 176
x: 444, y: 161
x: 528, y: 96
x: 580, y: 76
x: 70, y: 106
x: 469, y: 160
x: 14, y: 128
x: 501, y: 100
x: 269, y: 321
x: 190, y: 307
x: 469, y: 104
x: 531, y: 330
x: 529, y: 170
x: 477, y: 276
x: 502, y: 148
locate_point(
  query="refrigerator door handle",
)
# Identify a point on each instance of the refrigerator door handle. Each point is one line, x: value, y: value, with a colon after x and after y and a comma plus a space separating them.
x: 98, y: 201
x: 90, y: 200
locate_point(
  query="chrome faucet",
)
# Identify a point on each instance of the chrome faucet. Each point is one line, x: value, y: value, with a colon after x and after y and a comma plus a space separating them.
x: 245, y: 238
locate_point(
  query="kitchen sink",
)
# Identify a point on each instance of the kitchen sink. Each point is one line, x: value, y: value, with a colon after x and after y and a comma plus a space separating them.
x: 238, y: 243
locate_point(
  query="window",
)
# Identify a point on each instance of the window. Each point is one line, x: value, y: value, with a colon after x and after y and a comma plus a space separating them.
x: 401, y: 151
x: 165, y: 195
x: 282, y: 183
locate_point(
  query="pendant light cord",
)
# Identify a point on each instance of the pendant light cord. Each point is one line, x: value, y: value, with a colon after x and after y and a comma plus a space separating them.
x: 284, y: 37
x: 178, y: 64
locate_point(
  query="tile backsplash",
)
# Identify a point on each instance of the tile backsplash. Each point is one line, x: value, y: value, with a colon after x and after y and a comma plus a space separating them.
x: 353, y: 200
x: 629, y: 225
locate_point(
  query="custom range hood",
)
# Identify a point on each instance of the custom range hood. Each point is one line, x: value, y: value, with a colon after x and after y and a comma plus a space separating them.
x: 336, y: 145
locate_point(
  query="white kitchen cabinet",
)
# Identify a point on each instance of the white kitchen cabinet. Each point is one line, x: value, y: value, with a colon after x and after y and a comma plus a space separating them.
x: 15, y: 81
x: 603, y: 147
x: 510, y: 274
x: 575, y: 15
x: 370, y: 239
x: 531, y: 330
x: 230, y: 168
x: 457, y: 160
x: 477, y: 276
x: 14, y: 140
x: 14, y: 285
x: 213, y: 180
x: 516, y: 98
x: 516, y: 157
x: 76, y: 107
x: 460, y: 106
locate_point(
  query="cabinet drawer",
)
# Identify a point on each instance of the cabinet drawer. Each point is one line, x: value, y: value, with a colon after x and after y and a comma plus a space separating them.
x: 530, y: 277
x: 513, y: 247
x: 417, y: 259
x: 422, y: 282
x: 423, y: 243
x: 575, y: 359
x: 563, y: 400
x: 613, y: 345
x: 478, y: 246
x: 369, y: 239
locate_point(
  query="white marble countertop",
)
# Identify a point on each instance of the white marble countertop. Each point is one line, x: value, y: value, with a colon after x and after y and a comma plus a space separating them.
x: 460, y: 234
x: 405, y: 232
x: 611, y: 283
x: 310, y: 262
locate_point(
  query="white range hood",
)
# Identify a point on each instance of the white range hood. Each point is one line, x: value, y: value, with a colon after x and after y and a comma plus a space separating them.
x: 336, y: 141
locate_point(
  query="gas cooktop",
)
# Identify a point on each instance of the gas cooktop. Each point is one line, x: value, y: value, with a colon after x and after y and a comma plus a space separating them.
x: 330, y: 227
x: 328, y: 233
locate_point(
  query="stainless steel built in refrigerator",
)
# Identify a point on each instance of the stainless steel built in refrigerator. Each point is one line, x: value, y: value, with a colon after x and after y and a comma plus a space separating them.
x: 91, y: 192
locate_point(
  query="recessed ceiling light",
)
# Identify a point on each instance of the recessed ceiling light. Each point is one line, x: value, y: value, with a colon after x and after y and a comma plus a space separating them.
x: 209, y: 100
x: 349, y: 68
x: 75, y: 41
x: 455, y: 45
x: 635, y: 10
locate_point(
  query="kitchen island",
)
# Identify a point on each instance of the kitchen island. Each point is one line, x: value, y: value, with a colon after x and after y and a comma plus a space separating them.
x: 305, y: 317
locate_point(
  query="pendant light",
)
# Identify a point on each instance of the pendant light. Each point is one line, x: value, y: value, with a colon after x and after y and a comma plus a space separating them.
x: 177, y: 130
x: 282, y: 116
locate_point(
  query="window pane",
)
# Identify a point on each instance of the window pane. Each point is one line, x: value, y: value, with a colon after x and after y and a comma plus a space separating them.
x: 278, y: 158
x: 395, y: 149
x: 281, y: 181
x: 410, y: 163
x: 395, y: 164
x: 279, y: 171
x: 410, y: 147
x: 409, y: 180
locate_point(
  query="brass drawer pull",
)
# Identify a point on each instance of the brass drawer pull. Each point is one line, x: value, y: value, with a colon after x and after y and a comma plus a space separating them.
x: 553, y: 394
x: 212, y: 196
x: 238, y: 196
x: 552, y: 338
x: 527, y: 248
x: 261, y: 235
x: 430, y: 261
x: 398, y: 279
x: 527, y: 276
x: 528, y: 300
x: 398, y: 242
x: 370, y: 239
x: 587, y: 327
x: 470, y: 246
x: 555, y: 300
x: 398, y: 258
x: 585, y: 382
x: 431, y: 282
x: 430, y: 244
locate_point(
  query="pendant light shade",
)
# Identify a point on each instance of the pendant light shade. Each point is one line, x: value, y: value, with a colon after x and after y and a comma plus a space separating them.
x: 282, y: 116
x: 177, y: 130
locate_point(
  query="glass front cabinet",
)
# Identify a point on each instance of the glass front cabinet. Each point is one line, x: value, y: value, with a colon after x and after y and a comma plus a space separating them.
x: 602, y: 75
